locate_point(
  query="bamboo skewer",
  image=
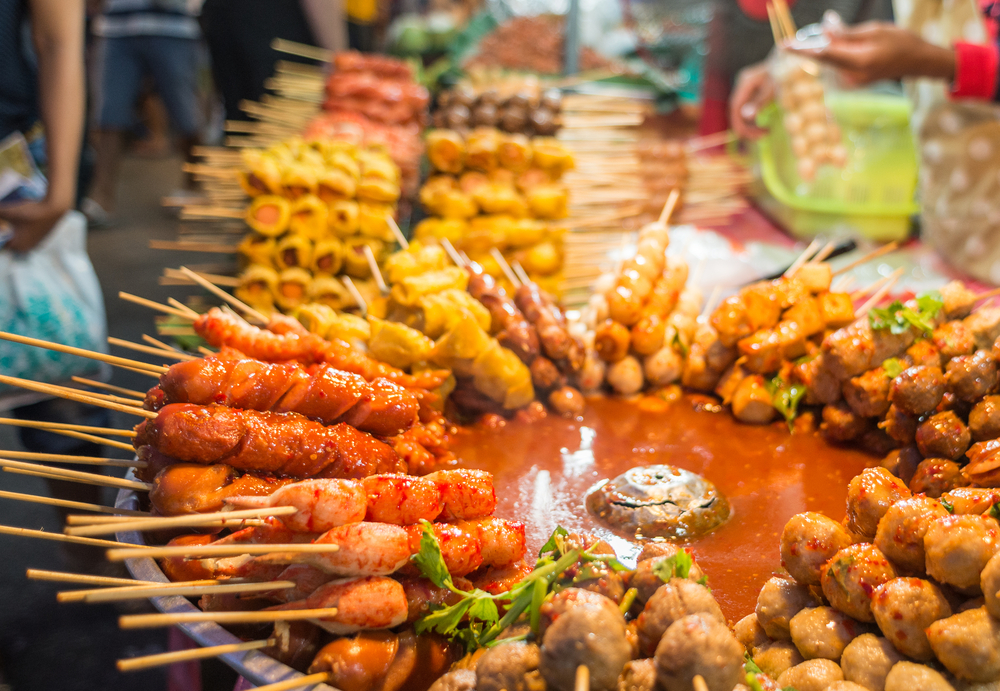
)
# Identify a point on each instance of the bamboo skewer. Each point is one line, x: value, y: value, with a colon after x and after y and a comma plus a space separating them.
x: 206, y: 551
x: 582, y: 681
x: 149, y: 350
x: 218, y: 292
x: 71, y: 350
x: 355, y: 293
x: 184, y: 308
x: 874, y: 254
x: 807, y: 253
x: 396, y: 232
x: 302, y: 50
x: 452, y: 252
x: 67, y: 504
x: 141, y: 592
x: 77, y: 476
x: 82, y: 579
x: 108, y: 387
x: 62, y: 392
x: 152, y: 305
x: 505, y: 267
x: 668, y: 208
x: 147, y: 621
x: 297, y: 682
x: 59, y: 537
x: 70, y: 458
x: 133, y: 664
x: 130, y: 585
x: 164, y: 346
x: 881, y: 293
x: 373, y: 267
x: 146, y: 524
x: 76, y: 435
x: 868, y: 289
x: 699, y: 683
x: 64, y: 426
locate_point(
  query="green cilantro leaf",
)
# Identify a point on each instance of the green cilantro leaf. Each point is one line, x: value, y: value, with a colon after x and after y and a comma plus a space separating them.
x: 677, y: 566
x: 930, y: 303
x: 893, y: 367
x: 899, y: 318
x: 948, y: 506
x: 785, y: 398
x: 750, y: 666
x: 429, y: 559
x: 994, y: 511
x: 555, y: 541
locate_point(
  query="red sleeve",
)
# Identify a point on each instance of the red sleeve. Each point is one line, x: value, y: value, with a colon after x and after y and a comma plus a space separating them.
x: 977, y: 68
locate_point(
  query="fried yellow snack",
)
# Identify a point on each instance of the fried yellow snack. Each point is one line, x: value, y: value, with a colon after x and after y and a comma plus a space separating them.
x: 293, y: 251
x: 329, y: 291
x: 461, y: 345
x: 261, y: 175
x: 471, y: 180
x: 455, y: 204
x: 269, y: 215
x: 446, y: 151
x: 552, y: 157
x: 525, y: 232
x: 373, y: 221
x: 355, y: 261
x: 411, y: 288
x: 328, y: 256
x: 378, y: 165
x: 514, y: 153
x: 500, y: 199
x: 416, y: 259
x: 442, y: 310
x: 336, y: 185
x: 375, y: 189
x: 543, y: 259
x: 309, y: 217
x: 342, y: 218
x: 548, y: 201
x: 531, y: 178
x: 397, y: 344
x: 454, y: 229
x: 257, y: 249
x: 346, y: 163
x: 481, y: 149
x: 299, y: 179
x: 292, y: 288
x: 258, y: 285
x: 499, y: 374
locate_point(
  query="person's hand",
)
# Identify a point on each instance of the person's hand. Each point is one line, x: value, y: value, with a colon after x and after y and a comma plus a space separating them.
x: 881, y: 50
x: 32, y: 221
x: 754, y: 89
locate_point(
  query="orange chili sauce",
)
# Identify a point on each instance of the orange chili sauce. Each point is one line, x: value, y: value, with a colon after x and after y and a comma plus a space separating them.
x: 542, y: 471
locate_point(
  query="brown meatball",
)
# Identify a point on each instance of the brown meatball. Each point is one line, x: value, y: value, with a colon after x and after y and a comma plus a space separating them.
x: 775, y: 657
x: 505, y: 666
x: 811, y: 675
x: 984, y: 419
x: 909, y: 676
x: 695, y: 645
x: 900, y: 533
x: 903, y: 462
x: 942, y: 435
x: 958, y: 549
x: 970, y: 377
x: 456, y: 680
x: 968, y: 644
x: 750, y: 633
x: 646, y: 582
x: 868, y: 394
x: 935, y: 476
x: 585, y: 635
x: 565, y: 600
x: 867, y: 661
x: 989, y: 582
x: 567, y: 401
x: 903, y: 608
x: 841, y: 423
x: 917, y: 390
x: 638, y: 675
x: 807, y: 542
x: 822, y: 632
x: 924, y: 352
x: 845, y: 686
x: 779, y: 600
x: 670, y: 602
x: 851, y: 577
x: 869, y: 496
x: 545, y: 375
x: 953, y: 339
x: 899, y: 425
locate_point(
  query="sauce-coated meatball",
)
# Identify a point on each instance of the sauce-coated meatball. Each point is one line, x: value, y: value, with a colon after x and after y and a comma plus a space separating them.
x: 567, y: 599
x: 811, y: 675
x: 457, y: 680
x: 750, y: 633
x: 984, y: 419
x: 917, y: 390
x: 900, y: 533
x: 845, y: 686
x: 958, y: 548
x: 899, y: 425
x: 779, y: 600
x: 638, y: 675
x: 868, y: 393
x: 968, y: 644
x: 869, y: 496
x: 867, y: 661
x: 699, y: 645
x: 903, y: 608
x: 989, y: 581
x: 645, y: 580
x: 903, y: 462
x: 943, y: 435
x: 822, y: 632
x: 775, y: 657
x: 952, y: 339
x: 505, y: 666
x: 935, y: 476
x: 807, y: 542
x: 585, y: 635
x: 672, y: 601
x: 851, y: 577
x: 909, y: 676
x: 970, y: 377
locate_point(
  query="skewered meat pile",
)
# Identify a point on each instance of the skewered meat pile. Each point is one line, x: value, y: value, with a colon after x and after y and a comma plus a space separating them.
x: 525, y: 111
x: 531, y: 44
x: 383, y: 89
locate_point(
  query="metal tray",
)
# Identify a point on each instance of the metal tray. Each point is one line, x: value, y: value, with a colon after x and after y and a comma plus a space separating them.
x: 254, y: 666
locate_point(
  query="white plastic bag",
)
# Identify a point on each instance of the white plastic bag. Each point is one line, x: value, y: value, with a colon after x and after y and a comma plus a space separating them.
x: 51, y: 293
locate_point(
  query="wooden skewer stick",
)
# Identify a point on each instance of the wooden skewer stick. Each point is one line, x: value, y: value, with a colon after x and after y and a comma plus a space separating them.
x: 396, y: 232
x: 881, y: 293
x: 668, y: 208
x: 111, y: 398
x: 713, y: 298
x: 303, y: 50
x: 373, y: 267
x: 192, y: 520
x: 505, y: 267
x: 803, y: 258
x: 163, y: 346
x: 108, y: 387
x: 868, y: 289
x: 129, y: 297
x: 130, y: 585
x: 76, y: 435
x: 78, y: 476
x: 71, y: 350
x: 219, y: 292
x: 147, y: 621
x: 133, y: 664
x: 82, y: 579
x: 204, y: 551
x: 827, y: 250
x: 141, y: 592
x: 67, y: 504
x: 785, y: 17
x: 70, y: 458
x: 452, y: 253
x: 582, y: 682
x: 699, y: 683
x: 63, y: 392
x: 111, y: 431
x: 776, y: 31
x: 296, y: 683
x: 710, y: 140
x: 184, y: 308
x: 355, y: 293
x: 521, y: 273
x: 884, y: 249
x: 59, y: 537
x: 988, y: 294
x: 139, y: 348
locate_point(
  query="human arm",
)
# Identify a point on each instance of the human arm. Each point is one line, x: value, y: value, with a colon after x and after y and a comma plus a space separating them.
x: 753, y: 90
x: 328, y: 21
x: 57, y: 34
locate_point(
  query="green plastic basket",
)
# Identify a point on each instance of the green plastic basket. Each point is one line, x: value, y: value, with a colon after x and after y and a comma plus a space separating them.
x: 871, y: 196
